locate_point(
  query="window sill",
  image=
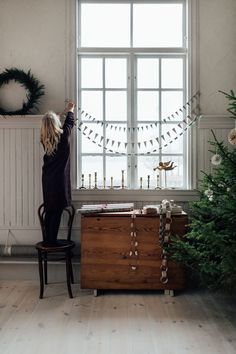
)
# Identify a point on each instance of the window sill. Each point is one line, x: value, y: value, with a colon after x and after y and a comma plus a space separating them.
x: 133, y: 195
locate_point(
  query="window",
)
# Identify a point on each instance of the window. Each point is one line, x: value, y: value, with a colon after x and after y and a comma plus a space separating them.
x: 132, y: 85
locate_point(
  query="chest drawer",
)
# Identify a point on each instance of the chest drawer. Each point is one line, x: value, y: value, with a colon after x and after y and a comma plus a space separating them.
x: 106, y: 258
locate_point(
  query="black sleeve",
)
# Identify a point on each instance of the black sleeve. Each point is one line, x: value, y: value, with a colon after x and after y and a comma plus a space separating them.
x: 68, y: 125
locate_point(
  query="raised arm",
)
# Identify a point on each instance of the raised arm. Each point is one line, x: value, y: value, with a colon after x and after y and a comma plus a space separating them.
x: 69, y: 121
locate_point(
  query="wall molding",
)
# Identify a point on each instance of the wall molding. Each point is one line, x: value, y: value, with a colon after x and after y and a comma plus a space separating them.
x: 216, y: 122
x: 125, y: 195
x: 20, y: 122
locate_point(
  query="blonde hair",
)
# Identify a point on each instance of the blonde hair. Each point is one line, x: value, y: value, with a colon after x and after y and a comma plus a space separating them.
x: 50, y: 132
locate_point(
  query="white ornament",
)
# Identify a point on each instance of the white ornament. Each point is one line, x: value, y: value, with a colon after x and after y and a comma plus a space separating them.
x: 228, y: 189
x: 216, y: 159
x: 209, y: 194
x: 232, y: 137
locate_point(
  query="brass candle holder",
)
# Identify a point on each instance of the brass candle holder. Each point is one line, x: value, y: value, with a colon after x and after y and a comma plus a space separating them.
x: 122, y: 179
x: 95, y: 181
x: 158, y: 182
x: 148, y: 182
x: 90, y: 181
x: 111, y: 186
x: 141, y: 183
x: 82, y: 182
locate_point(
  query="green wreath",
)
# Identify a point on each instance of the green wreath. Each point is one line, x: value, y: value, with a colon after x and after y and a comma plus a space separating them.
x: 33, y: 87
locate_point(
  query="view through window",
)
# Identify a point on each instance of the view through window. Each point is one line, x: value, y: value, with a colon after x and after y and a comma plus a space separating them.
x: 132, y: 86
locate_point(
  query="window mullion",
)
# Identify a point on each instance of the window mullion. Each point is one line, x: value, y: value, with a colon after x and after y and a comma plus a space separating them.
x: 104, y: 116
x: 133, y: 122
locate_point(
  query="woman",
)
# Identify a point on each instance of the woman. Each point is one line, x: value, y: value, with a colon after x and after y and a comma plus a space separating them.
x: 56, y: 169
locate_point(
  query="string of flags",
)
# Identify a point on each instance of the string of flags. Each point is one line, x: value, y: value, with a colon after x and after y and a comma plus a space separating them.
x: 152, y: 125
x: 173, y: 134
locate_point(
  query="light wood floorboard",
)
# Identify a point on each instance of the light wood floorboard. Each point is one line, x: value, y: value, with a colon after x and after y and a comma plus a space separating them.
x: 115, y: 322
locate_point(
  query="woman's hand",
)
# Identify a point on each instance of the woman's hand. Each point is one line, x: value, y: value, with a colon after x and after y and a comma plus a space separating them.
x: 70, y: 106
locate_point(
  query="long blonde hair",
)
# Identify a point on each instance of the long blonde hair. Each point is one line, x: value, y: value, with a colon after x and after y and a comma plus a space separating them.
x: 50, y: 132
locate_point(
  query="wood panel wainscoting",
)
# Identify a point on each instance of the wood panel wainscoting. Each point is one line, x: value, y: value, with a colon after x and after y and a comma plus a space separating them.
x: 105, y: 252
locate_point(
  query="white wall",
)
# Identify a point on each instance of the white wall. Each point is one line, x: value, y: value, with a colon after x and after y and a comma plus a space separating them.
x: 217, y: 53
x: 38, y: 35
x: 34, y: 35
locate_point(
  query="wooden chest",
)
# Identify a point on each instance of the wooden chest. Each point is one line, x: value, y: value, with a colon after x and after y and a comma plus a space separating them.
x: 105, y: 252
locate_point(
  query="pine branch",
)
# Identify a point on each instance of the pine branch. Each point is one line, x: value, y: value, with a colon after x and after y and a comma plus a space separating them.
x: 226, y: 155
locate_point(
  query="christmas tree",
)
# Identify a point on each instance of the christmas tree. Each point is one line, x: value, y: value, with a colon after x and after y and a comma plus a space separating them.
x: 209, y: 248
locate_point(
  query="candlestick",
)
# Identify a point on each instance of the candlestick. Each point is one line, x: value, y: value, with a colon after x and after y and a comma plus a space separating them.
x: 158, y: 182
x: 82, y: 182
x: 165, y: 179
x: 141, y: 183
x: 111, y: 187
x: 95, y: 180
x: 90, y: 181
x: 122, y: 179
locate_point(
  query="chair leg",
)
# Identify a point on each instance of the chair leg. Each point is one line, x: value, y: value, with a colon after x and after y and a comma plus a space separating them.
x: 68, y: 274
x: 40, y: 263
x: 45, y: 269
x: 71, y: 270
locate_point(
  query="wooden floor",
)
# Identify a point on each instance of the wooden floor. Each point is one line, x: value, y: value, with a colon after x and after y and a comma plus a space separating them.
x: 113, y: 322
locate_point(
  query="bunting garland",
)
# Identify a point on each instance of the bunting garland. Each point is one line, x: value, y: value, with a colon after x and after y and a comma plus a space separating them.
x: 151, y: 141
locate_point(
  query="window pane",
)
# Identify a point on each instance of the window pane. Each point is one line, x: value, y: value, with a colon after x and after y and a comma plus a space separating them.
x: 172, y: 73
x: 90, y: 165
x: 116, y: 105
x: 148, y: 105
x: 116, y: 73
x: 105, y: 25
x: 91, y: 73
x: 171, y: 102
x: 158, y: 25
x: 148, y: 73
x: 114, y: 166
x: 91, y: 103
x: 145, y: 168
x: 117, y: 136
x: 174, y: 177
x: 177, y: 144
x: 88, y: 146
x: 147, y: 136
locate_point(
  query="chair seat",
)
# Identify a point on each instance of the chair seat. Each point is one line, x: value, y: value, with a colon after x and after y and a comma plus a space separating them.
x: 59, y: 246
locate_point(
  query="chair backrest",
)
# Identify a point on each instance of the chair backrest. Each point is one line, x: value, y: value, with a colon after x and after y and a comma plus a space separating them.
x: 70, y: 211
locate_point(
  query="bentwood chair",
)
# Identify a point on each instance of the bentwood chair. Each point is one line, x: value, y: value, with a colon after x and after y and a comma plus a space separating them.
x: 61, y: 251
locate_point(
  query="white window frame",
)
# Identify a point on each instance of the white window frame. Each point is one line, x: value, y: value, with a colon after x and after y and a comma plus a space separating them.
x: 193, y: 85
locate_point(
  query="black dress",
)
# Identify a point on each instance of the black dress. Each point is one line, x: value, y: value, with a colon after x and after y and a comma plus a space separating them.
x: 56, y: 181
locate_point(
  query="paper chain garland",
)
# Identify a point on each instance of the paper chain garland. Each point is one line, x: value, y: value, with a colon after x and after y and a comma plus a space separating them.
x: 165, y: 120
x: 164, y: 238
x: 133, y: 252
